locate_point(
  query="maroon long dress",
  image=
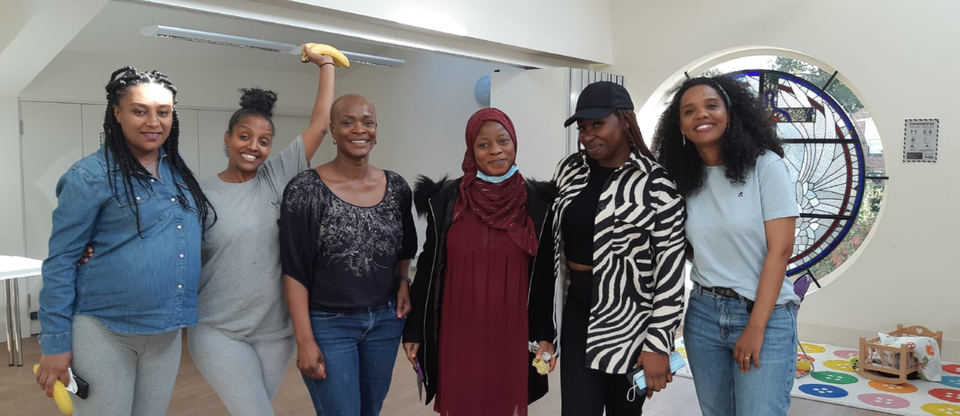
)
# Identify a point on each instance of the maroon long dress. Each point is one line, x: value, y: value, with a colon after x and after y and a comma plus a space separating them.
x: 483, y: 323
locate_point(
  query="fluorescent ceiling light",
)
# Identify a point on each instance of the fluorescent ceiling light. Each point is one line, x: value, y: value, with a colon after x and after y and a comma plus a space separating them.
x: 169, y: 32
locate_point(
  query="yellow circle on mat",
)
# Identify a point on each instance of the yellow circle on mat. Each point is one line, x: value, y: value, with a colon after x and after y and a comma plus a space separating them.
x: 812, y: 349
x: 682, y: 351
x: 839, y: 365
x: 894, y: 388
x: 941, y: 409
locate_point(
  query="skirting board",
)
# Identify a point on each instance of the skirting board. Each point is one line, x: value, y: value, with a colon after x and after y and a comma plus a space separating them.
x: 850, y: 337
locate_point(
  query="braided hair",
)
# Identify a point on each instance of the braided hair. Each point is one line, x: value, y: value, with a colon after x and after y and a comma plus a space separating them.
x: 118, y: 151
x: 633, y: 132
x: 254, y: 102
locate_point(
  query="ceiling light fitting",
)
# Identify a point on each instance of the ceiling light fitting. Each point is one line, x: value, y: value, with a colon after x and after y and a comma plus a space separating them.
x: 169, y: 32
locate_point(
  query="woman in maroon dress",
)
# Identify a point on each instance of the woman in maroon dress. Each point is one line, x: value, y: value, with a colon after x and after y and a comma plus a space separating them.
x: 483, y: 293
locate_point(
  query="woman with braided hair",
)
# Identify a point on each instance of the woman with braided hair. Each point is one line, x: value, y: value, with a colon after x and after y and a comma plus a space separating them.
x: 619, y: 225
x: 116, y: 320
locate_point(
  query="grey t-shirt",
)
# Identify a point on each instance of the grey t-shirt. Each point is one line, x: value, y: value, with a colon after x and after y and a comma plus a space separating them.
x: 725, y: 225
x: 241, y: 290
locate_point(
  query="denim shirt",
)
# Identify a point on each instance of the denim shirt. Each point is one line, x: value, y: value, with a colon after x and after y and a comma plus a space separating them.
x: 135, y: 283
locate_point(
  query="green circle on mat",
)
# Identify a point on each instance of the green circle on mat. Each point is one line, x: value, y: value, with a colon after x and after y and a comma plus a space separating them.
x: 833, y: 377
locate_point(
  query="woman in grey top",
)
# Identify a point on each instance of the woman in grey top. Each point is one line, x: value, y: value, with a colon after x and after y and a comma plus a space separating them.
x: 244, y: 342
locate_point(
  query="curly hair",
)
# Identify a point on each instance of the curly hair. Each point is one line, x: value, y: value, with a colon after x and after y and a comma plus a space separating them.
x: 119, y: 151
x: 254, y: 101
x: 750, y: 132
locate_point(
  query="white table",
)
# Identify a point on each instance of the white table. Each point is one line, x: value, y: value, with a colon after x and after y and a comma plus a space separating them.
x: 12, y: 268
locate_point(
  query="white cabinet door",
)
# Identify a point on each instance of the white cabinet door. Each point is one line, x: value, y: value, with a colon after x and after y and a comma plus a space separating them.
x: 211, y: 126
x: 91, y: 118
x: 52, y: 142
x: 189, y: 139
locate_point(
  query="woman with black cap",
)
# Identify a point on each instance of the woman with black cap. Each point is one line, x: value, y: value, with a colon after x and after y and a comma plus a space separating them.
x: 618, y: 228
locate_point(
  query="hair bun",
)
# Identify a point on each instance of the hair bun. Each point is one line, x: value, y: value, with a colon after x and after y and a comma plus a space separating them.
x: 258, y: 99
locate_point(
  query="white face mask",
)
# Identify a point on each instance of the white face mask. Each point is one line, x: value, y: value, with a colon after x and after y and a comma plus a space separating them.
x: 497, y: 179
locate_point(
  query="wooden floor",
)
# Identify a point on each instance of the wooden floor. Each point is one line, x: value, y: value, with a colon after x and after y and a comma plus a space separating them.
x: 20, y: 395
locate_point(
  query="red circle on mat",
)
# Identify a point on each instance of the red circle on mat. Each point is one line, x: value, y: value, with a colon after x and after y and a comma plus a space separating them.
x: 952, y: 368
x: 807, y: 357
x: 846, y: 354
x: 885, y: 401
x: 947, y: 395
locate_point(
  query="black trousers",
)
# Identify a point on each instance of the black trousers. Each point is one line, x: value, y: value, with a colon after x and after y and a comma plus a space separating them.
x: 584, y: 391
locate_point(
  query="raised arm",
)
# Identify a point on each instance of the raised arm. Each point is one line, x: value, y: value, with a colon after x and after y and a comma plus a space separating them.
x: 320, y: 117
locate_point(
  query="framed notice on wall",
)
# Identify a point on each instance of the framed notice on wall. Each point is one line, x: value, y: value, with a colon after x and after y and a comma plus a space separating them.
x: 920, y: 136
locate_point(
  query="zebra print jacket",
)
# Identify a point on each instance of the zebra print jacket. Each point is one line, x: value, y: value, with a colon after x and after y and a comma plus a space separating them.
x: 639, y: 247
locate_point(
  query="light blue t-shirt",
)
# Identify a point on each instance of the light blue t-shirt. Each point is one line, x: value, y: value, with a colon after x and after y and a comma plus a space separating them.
x: 725, y: 225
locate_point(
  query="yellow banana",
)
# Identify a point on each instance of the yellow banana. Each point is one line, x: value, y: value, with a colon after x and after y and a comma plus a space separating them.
x: 60, y: 395
x: 322, y: 49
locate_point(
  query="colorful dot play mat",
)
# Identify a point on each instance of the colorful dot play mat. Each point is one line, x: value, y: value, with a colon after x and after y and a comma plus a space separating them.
x: 835, y: 381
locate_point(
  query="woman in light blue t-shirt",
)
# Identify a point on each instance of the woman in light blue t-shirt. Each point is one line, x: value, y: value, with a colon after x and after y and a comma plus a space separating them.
x: 718, y: 143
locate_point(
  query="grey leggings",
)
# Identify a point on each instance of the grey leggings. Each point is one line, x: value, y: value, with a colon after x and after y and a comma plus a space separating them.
x: 246, y: 375
x: 129, y: 374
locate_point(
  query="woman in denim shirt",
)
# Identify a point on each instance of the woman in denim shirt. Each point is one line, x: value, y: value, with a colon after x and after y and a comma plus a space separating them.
x: 116, y: 319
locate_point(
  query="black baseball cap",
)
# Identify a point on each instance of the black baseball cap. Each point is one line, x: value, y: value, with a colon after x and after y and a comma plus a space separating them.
x: 600, y: 99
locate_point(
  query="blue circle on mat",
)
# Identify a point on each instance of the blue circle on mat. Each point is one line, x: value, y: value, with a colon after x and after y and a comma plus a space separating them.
x: 950, y: 381
x: 824, y: 390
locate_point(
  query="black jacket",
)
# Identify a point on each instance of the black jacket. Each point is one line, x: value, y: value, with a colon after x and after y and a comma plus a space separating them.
x: 435, y: 200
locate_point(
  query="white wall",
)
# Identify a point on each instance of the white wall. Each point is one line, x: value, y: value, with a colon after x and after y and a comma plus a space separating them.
x: 574, y: 28
x: 899, y: 58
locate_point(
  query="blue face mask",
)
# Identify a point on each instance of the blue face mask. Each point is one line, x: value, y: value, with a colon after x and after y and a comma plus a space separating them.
x: 497, y: 179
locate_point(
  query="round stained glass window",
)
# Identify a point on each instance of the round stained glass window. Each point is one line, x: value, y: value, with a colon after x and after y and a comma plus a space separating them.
x: 825, y: 157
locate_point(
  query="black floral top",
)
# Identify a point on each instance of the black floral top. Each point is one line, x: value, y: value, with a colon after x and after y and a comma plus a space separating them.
x: 345, y: 255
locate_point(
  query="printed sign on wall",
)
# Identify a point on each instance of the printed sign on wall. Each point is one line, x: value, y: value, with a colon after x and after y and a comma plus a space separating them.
x: 920, y: 136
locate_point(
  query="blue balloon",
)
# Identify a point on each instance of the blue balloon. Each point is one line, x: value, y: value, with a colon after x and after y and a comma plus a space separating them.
x: 481, y: 91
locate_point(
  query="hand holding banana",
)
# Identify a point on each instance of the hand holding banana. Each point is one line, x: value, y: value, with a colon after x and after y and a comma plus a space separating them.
x: 60, y: 395
x: 321, y: 49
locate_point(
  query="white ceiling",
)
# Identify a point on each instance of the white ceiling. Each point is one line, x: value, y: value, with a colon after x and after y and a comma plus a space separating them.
x: 116, y: 31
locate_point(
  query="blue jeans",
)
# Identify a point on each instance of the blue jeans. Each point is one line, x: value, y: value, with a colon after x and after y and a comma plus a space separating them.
x: 710, y: 331
x: 360, y: 349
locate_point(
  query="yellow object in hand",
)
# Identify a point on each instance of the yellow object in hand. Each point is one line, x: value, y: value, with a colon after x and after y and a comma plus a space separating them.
x: 60, y: 395
x: 321, y: 49
x: 542, y: 366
